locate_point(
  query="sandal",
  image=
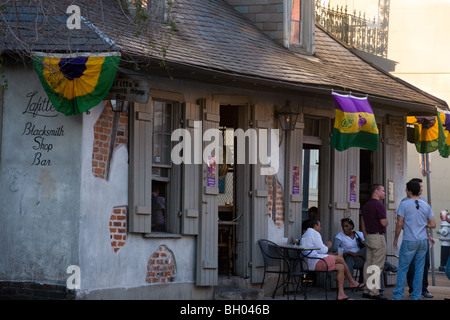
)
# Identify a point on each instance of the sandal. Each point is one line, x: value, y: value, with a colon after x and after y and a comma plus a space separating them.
x: 358, y: 287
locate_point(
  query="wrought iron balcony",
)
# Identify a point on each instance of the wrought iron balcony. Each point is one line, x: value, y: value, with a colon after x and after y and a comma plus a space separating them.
x: 355, y: 29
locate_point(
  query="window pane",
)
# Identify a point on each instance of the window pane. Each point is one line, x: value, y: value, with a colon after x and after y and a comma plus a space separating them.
x: 295, y: 32
x: 162, y: 129
x: 295, y: 13
x: 161, y: 148
x: 295, y: 21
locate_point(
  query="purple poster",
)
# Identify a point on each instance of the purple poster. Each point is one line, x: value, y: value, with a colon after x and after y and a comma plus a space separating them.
x: 295, y: 180
x: 211, y: 174
x: 352, y: 188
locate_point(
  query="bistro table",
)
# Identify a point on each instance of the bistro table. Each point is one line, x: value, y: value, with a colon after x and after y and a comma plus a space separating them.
x: 295, y: 255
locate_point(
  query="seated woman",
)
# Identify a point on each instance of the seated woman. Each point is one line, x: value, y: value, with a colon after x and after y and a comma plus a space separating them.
x: 312, y: 239
x: 353, y: 244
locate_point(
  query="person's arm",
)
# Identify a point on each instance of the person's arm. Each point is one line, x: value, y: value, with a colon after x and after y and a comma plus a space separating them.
x: 336, y: 244
x: 363, y: 227
x: 398, y: 229
x: 318, y: 243
x: 431, y: 223
x: 381, y: 211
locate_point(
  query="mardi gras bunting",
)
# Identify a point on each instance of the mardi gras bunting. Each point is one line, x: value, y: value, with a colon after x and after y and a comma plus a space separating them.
x: 444, y: 119
x: 429, y: 134
x: 355, y: 124
x: 76, y: 83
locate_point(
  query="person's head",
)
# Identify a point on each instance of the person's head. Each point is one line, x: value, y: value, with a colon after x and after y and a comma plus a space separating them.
x: 419, y: 181
x: 347, y: 225
x: 413, y: 187
x: 313, y: 223
x: 377, y: 192
x: 313, y: 213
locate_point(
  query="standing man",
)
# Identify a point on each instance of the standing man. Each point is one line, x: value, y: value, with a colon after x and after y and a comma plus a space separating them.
x: 374, y: 224
x: 413, y: 216
x: 426, y: 268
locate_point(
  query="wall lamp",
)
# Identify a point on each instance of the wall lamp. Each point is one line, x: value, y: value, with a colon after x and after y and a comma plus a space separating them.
x: 119, y: 106
x: 288, y: 116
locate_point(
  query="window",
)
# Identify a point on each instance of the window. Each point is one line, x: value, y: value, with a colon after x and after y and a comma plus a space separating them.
x: 299, y: 26
x: 296, y: 23
x: 155, y: 182
x: 161, y: 162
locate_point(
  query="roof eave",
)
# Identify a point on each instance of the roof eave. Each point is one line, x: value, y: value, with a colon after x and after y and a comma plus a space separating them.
x: 236, y: 80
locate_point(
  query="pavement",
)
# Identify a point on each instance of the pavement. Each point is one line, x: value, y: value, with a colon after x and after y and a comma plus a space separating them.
x: 440, y: 291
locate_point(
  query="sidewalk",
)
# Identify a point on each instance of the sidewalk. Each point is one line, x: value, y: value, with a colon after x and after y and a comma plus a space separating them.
x: 440, y: 291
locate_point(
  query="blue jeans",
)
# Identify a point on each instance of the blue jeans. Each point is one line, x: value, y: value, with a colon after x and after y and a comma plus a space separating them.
x: 411, y: 251
x: 410, y: 275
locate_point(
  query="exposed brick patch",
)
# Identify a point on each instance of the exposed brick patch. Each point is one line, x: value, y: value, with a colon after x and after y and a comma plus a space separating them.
x: 118, y: 227
x: 109, y: 127
x: 161, y: 267
x: 275, y: 199
x: 28, y: 290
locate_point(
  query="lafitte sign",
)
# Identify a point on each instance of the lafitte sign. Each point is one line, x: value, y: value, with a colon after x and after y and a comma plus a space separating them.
x: 129, y: 88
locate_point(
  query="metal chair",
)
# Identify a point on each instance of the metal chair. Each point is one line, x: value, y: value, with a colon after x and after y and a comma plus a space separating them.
x: 277, y: 261
x: 328, y: 273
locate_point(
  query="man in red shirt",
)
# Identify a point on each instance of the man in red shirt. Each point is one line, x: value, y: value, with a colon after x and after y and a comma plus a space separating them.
x: 374, y: 224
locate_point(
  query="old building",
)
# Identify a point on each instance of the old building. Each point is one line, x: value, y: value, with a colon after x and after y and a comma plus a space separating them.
x: 77, y: 206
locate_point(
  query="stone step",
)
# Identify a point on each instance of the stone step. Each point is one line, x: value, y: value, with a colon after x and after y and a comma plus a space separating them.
x: 236, y: 288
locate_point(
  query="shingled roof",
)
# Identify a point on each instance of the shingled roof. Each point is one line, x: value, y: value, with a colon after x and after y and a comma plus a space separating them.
x: 213, y: 39
x: 40, y: 25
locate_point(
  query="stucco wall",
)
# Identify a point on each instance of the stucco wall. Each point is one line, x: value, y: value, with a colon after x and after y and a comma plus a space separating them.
x: 104, y: 264
x: 39, y: 183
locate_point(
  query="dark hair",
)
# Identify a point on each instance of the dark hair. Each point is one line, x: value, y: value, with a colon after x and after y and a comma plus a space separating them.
x: 375, y: 187
x: 350, y: 222
x: 414, y: 187
x: 416, y: 180
x: 310, y: 223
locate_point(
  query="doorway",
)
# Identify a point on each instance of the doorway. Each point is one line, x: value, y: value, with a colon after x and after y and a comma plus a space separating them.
x: 366, y: 177
x: 310, y: 182
x: 228, y: 219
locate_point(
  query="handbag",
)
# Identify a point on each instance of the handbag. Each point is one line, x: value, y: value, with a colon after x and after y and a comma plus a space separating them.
x: 359, y: 241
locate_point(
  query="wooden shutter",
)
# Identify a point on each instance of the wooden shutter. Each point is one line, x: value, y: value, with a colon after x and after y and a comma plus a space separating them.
x: 346, y: 165
x: 207, y: 244
x: 260, y: 195
x: 140, y: 170
x: 192, y: 174
x: 293, y: 202
x: 243, y: 203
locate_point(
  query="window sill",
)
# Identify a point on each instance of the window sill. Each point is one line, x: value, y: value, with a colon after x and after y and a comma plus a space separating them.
x: 159, y: 235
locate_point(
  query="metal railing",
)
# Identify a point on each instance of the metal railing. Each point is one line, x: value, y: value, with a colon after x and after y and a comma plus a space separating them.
x: 354, y: 29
